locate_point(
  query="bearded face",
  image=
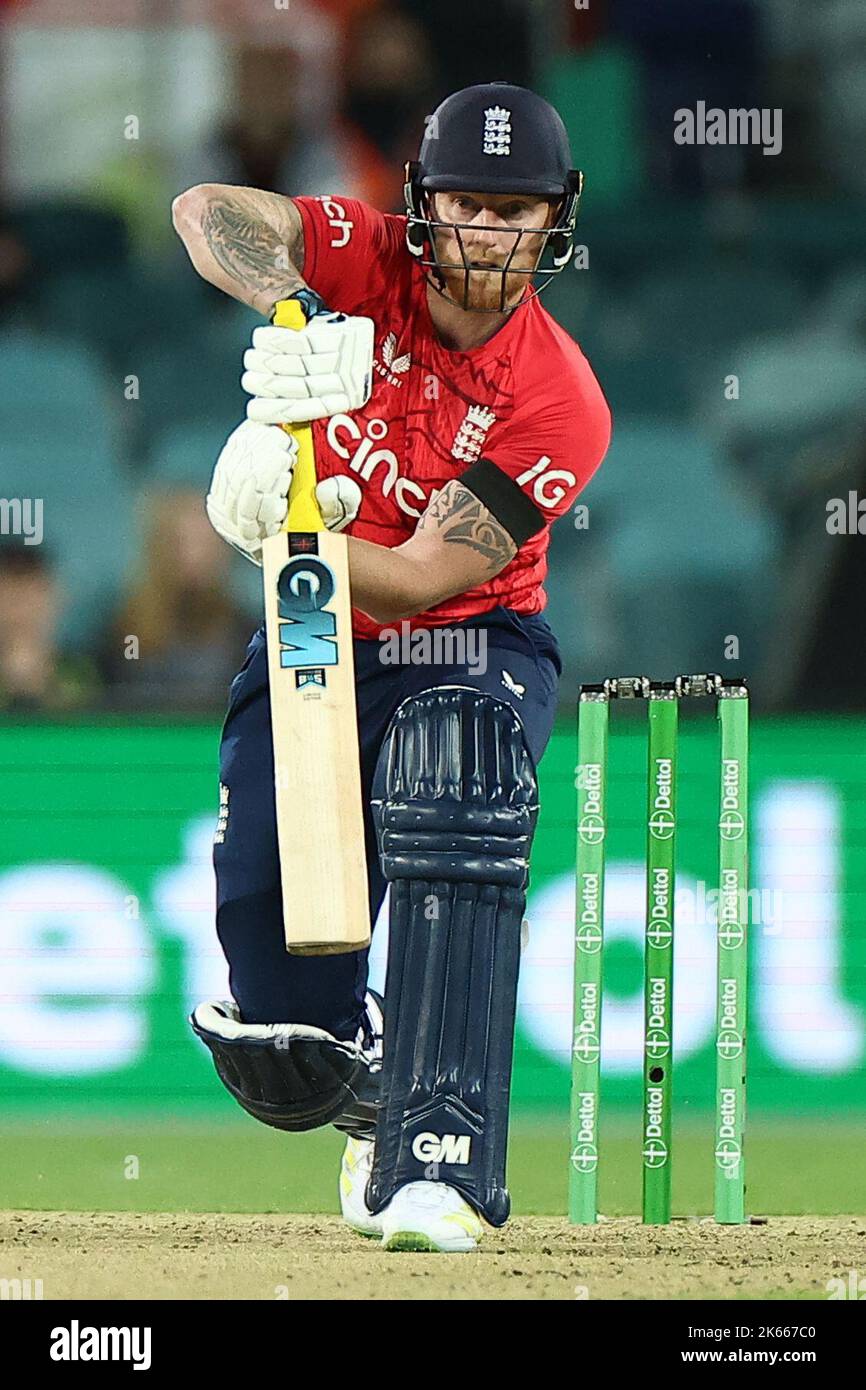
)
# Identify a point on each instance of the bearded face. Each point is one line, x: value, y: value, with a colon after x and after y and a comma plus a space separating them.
x: 493, y: 230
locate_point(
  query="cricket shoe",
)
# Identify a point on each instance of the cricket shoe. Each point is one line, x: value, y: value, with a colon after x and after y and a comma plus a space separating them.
x: 355, y: 1171
x: 430, y: 1216
x: 359, y: 1123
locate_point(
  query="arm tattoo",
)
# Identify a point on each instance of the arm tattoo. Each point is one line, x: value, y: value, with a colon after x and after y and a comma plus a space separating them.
x: 258, y: 241
x: 458, y: 516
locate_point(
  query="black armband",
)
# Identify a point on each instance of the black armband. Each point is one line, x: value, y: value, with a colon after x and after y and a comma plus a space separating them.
x: 504, y: 500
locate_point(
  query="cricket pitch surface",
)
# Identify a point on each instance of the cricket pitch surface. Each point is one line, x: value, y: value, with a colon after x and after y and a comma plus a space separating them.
x: 153, y: 1255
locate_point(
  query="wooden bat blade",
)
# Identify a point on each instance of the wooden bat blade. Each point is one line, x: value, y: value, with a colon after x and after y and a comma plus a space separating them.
x: 317, y: 775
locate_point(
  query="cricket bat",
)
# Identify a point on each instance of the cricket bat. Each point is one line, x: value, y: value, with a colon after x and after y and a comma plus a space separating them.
x: 317, y: 769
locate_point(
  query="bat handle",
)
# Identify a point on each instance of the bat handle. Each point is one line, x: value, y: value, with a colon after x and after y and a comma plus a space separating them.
x: 304, y: 513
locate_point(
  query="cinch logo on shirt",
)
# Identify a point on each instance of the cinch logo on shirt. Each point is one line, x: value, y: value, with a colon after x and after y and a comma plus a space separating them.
x: 549, y: 485
x: 364, y: 459
x: 339, y: 222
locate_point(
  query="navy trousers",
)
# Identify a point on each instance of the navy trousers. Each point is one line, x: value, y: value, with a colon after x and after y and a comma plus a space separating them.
x: 512, y: 657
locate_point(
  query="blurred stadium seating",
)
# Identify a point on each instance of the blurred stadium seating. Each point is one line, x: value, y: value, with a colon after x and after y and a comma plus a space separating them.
x: 678, y: 291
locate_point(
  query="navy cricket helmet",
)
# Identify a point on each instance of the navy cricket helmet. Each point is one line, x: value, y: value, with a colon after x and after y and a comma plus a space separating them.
x: 493, y: 138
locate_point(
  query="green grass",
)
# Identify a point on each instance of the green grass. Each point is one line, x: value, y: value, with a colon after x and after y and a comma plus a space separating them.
x: 795, y: 1167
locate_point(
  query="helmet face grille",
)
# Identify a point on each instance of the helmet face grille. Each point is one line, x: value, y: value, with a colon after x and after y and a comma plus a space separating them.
x: 554, y: 254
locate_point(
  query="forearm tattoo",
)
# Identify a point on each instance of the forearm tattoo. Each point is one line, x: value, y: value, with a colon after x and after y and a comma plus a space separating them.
x: 258, y: 241
x: 458, y: 516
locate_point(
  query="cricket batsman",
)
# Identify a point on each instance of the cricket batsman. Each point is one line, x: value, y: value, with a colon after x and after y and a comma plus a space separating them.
x: 454, y: 421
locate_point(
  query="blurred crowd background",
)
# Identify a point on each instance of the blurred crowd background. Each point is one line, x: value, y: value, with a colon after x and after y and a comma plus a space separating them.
x: 119, y: 368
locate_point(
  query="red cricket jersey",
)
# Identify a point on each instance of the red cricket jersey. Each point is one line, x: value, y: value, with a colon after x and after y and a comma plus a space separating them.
x: 527, y: 400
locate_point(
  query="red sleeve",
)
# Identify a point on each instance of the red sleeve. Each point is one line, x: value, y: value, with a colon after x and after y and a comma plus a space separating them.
x: 552, y: 448
x: 347, y: 245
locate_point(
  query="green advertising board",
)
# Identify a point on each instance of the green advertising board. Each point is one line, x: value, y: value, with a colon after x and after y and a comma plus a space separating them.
x: 107, y: 939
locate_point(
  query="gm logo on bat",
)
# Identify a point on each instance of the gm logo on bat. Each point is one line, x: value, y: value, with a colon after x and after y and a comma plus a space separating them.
x: 308, y: 629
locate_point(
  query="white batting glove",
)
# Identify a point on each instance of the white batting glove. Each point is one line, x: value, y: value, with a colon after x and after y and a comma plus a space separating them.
x: 250, y: 486
x: 339, y: 500
x: 321, y: 370
x: 248, y: 498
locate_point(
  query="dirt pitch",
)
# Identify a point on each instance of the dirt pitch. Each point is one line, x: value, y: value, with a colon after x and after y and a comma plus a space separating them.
x: 167, y: 1256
